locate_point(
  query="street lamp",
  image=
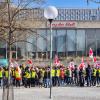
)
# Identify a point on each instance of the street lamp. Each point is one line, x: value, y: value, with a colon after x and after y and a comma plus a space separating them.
x: 50, y: 13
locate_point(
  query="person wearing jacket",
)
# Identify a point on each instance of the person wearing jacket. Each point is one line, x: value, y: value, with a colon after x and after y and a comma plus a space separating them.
x: 17, y: 77
x: 62, y: 76
x: 81, y: 77
x: 88, y: 75
x: 1, y: 77
x: 98, y: 76
x: 33, y: 77
x: 76, y: 73
x: 27, y: 78
x: 47, y: 78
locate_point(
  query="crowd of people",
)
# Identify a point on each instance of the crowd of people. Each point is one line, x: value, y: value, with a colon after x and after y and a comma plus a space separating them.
x: 41, y: 76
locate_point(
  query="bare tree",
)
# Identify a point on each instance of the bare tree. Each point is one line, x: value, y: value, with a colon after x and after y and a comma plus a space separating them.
x: 15, y: 17
x: 15, y: 21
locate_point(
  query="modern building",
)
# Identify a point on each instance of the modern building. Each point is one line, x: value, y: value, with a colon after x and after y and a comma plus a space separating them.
x: 75, y: 31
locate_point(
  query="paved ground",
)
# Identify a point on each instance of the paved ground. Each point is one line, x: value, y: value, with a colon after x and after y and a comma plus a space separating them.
x: 60, y: 93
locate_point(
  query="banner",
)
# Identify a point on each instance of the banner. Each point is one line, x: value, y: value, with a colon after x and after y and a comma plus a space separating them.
x: 91, y: 53
x: 71, y: 65
x: 56, y: 61
x: 29, y: 61
x: 82, y: 65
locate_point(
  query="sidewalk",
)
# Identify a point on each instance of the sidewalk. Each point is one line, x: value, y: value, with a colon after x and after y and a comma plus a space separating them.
x: 60, y: 93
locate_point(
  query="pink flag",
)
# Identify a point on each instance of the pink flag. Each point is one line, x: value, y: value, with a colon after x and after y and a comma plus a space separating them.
x: 71, y: 65
x: 56, y: 60
x: 91, y: 53
x: 97, y: 64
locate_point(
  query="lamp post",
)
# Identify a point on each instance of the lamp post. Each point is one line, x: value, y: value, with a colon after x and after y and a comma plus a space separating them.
x: 50, y: 13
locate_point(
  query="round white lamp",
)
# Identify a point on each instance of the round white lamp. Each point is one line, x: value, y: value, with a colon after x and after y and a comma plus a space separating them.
x: 50, y: 12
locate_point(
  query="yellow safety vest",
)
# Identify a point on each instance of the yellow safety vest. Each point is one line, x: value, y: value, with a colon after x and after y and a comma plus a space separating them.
x: 28, y: 75
x: 58, y: 73
x: 0, y: 74
x: 17, y: 74
x: 94, y: 73
x: 43, y: 71
x: 6, y: 74
x: 52, y: 72
x: 33, y: 74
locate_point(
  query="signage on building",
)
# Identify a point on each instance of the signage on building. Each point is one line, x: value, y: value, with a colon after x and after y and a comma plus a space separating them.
x: 63, y: 24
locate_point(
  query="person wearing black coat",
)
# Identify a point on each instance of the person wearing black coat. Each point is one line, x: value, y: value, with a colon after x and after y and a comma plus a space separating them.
x: 81, y: 77
x: 88, y: 75
x: 47, y: 78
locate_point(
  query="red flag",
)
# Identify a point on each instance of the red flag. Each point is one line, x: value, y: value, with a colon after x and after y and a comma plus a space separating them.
x: 82, y: 65
x: 91, y: 53
x: 94, y: 59
x: 56, y: 60
x: 29, y: 62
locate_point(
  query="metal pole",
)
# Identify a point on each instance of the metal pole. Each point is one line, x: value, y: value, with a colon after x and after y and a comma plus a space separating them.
x: 50, y: 20
x: 6, y: 50
x: 16, y: 49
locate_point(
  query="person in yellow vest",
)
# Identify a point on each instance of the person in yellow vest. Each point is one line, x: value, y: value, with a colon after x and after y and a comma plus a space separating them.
x: 94, y: 76
x: 43, y: 70
x: 6, y: 77
x: 98, y: 76
x: 1, y: 77
x: 53, y: 76
x: 40, y: 77
x: 57, y: 76
x: 33, y: 76
x: 17, y: 77
x: 27, y: 78
x: 13, y: 75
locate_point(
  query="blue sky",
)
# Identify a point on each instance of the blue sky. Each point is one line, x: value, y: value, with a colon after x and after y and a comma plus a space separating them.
x: 68, y: 4
x: 71, y: 4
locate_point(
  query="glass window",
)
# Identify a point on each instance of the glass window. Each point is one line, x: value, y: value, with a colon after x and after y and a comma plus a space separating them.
x: 30, y: 44
x: 53, y: 40
x: 71, y: 40
x: 61, y: 40
x: 97, y: 34
x: 34, y: 44
x: 41, y: 40
x: 91, y: 43
x: 80, y: 40
x: 90, y: 33
x: 98, y: 41
x: 98, y: 47
x: 91, y: 40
